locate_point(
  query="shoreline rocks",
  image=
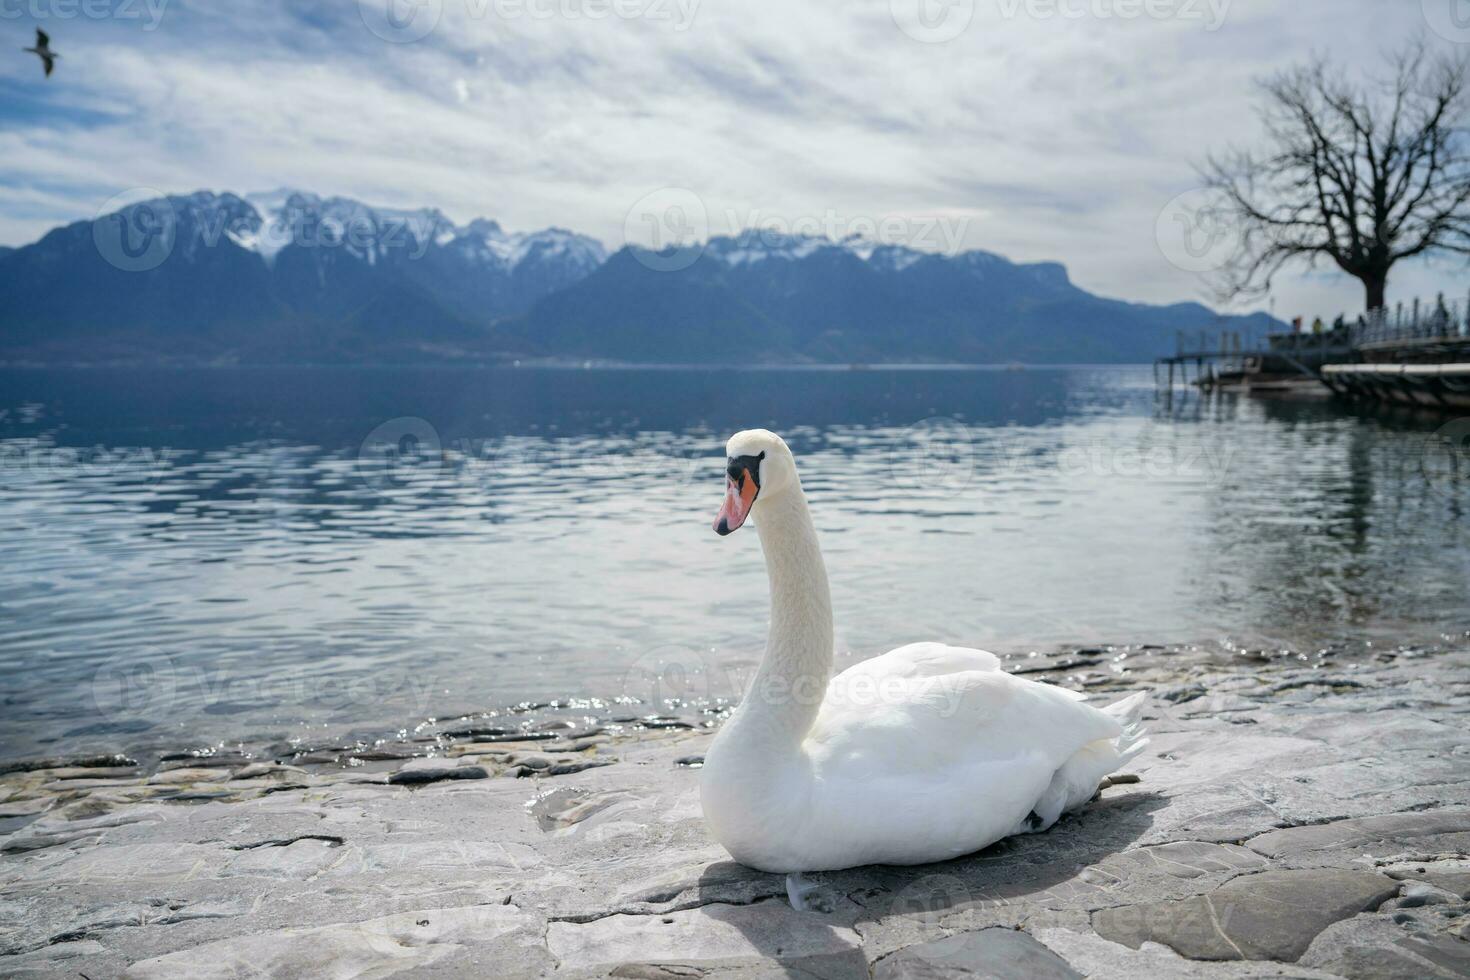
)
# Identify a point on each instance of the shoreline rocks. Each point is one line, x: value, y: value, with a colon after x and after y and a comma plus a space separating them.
x: 1289, y: 820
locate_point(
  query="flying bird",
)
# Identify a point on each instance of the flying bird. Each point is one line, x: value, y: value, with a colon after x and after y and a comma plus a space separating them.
x: 43, y: 51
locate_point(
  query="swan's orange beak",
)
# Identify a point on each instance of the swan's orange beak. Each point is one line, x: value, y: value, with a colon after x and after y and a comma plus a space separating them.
x: 742, y: 483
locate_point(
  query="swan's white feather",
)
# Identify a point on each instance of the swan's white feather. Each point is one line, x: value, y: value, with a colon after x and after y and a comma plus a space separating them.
x: 938, y: 766
x: 923, y: 754
x: 922, y: 660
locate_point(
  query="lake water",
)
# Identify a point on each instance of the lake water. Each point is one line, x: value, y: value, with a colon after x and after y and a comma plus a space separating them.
x: 198, y: 556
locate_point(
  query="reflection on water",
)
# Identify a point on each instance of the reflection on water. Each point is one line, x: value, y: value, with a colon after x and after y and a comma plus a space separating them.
x: 203, y: 555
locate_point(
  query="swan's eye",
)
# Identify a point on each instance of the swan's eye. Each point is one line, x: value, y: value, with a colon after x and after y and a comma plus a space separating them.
x: 742, y: 466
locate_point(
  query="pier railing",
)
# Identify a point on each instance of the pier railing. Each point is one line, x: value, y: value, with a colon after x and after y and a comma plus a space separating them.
x: 1413, y: 332
x: 1415, y: 322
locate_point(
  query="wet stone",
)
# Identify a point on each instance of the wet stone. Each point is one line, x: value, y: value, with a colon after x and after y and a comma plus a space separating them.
x: 171, y: 777
x: 89, y: 762
x: 1183, y: 693
x: 422, y: 771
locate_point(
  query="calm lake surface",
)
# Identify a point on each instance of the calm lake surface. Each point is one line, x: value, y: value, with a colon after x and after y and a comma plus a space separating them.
x: 198, y: 556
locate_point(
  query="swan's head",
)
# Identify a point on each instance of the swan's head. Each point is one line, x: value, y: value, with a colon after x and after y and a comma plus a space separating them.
x: 758, y: 465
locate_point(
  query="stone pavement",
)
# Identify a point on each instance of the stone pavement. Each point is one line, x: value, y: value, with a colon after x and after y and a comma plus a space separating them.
x: 1298, y: 821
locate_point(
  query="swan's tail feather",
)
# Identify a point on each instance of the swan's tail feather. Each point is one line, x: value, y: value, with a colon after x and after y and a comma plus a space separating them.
x: 1127, y: 712
x: 1081, y: 777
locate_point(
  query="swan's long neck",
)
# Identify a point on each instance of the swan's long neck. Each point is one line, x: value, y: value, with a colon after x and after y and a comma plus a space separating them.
x: 787, y: 691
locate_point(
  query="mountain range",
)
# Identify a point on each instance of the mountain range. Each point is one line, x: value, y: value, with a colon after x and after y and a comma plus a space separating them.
x: 293, y: 277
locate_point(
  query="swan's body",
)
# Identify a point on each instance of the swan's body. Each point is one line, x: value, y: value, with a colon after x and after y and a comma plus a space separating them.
x: 923, y: 754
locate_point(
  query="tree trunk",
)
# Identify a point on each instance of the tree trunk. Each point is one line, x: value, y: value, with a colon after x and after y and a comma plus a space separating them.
x: 1375, y: 284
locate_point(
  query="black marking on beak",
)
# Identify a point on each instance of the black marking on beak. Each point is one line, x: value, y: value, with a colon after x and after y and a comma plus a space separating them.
x: 741, y: 466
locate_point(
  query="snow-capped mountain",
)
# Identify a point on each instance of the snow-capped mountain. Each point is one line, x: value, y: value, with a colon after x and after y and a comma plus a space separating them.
x: 286, y: 218
x: 291, y: 276
x: 759, y: 296
x: 298, y: 270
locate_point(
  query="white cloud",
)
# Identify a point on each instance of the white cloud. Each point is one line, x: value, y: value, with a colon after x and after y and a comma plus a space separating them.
x: 1058, y: 137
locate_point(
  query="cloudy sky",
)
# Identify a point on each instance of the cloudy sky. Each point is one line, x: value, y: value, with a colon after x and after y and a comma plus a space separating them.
x: 1040, y: 129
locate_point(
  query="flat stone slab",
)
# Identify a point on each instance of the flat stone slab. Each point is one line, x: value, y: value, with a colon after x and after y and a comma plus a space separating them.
x: 1273, y: 915
x: 409, y: 941
x: 709, y: 933
x: 1394, y: 830
x: 1005, y: 954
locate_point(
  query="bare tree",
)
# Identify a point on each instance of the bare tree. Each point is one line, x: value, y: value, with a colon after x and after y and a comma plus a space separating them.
x: 1362, y: 174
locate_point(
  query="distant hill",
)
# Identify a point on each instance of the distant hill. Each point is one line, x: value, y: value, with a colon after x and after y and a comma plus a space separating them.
x: 292, y: 277
x: 760, y: 297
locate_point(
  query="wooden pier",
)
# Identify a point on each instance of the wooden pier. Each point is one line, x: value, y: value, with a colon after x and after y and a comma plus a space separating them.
x: 1418, y: 355
x: 1223, y: 359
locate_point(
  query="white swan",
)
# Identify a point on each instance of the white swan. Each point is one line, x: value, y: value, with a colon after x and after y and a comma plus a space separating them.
x: 923, y: 754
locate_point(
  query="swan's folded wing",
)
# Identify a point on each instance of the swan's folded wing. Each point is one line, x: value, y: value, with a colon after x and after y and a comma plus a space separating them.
x: 918, y: 660
x: 925, y: 723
